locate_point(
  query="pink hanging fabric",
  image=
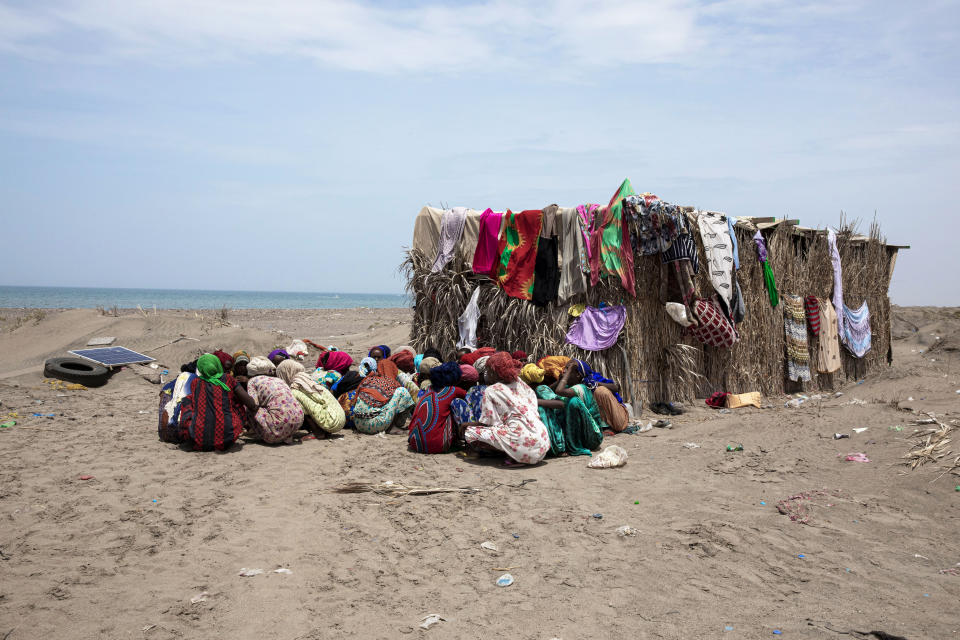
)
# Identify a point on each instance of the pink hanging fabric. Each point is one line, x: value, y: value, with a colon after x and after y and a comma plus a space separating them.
x: 485, y: 258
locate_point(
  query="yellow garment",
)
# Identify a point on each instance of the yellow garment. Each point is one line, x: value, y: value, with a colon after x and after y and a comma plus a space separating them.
x: 553, y: 365
x: 531, y: 374
x: 323, y: 408
x: 576, y: 309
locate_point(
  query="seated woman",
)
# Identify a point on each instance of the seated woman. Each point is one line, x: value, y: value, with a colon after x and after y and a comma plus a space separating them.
x: 509, y: 421
x: 240, y: 360
x: 225, y: 359
x: 212, y: 414
x: 606, y: 393
x: 431, y: 428
x: 367, y: 366
x: 323, y: 415
x: 379, y: 401
x: 467, y: 409
x: 172, y: 395
x: 379, y: 352
x: 275, y: 413
x: 423, y: 369
x: 550, y: 406
x: 584, y: 422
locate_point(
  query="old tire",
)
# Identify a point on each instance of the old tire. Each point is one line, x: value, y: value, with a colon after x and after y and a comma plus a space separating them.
x: 85, y: 372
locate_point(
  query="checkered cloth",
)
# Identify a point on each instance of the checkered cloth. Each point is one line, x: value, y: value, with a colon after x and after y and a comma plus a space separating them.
x: 714, y: 328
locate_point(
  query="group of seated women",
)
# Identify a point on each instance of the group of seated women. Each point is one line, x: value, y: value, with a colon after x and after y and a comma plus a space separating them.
x: 488, y: 401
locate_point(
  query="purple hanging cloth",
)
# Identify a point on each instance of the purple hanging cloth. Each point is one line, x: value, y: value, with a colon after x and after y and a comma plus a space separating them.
x: 597, y: 329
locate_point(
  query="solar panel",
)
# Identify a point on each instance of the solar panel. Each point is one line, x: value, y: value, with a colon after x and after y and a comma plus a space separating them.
x: 112, y: 356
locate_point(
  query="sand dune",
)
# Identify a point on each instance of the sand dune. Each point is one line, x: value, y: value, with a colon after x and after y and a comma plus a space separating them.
x: 121, y: 555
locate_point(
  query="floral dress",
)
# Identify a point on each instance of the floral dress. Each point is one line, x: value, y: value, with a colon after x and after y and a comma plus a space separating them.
x: 513, y: 423
x: 468, y: 409
x: 279, y: 415
x: 377, y: 403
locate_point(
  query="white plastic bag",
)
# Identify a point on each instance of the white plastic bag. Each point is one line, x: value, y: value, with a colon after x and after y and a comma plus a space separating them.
x: 298, y: 349
x: 678, y: 313
x: 610, y: 457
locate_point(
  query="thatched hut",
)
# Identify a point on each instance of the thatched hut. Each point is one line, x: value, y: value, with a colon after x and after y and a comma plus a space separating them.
x: 654, y: 359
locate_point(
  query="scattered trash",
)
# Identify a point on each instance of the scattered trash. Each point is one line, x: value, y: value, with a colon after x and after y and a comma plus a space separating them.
x: 840, y: 436
x: 381, y: 434
x: 917, y: 555
x: 610, y: 457
x: 489, y: 546
x: 797, y: 506
x: 626, y: 530
x: 690, y: 445
x: 855, y: 401
x: 86, y: 477
x: 793, y: 404
x: 598, y: 516
x: 248, y: 573
x: 44, y: 415
x: 663, y: 424
x: 645, y: 428
x: 154, y: 499
x: 728, y: 628
x: 762, y: 502
x: 957, y: 488
x: 505, y: 580
x: 895, y: 428
x: 925, y: 421
x: 142, y: 412
x: 855, y: 457
x: 283, y: 570
x: 910, y: 399
x: 8, y: 424
x: 801, y: 556
x: 516, y: 536
x: 777, y: 632
x: 431, y: 619
x: 860, y: 429
x: 200, y: 597
x: 838, y: 394
x: 154, y: 365
x: 736, y: 447
x: 724, y: 411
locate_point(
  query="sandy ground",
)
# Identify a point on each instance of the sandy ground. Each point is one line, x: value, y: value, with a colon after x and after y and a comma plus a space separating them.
x: 121, y: 555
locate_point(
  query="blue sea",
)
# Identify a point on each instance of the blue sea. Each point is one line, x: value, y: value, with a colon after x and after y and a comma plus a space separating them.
x: 79, y: 297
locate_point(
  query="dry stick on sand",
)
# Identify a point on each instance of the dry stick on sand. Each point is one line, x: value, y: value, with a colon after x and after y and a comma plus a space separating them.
x: 931, y: 445
x: 398, y: 489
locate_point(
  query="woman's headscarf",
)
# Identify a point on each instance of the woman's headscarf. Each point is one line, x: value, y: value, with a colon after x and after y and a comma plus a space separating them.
x: 426, y: 365
x: 190, y: 367
x: 330, y: 378
x: 481, y: 365
x: 469, y: 374
x: 417, y: 359
x: 387, y: 369
x: 591, y: 378
x: 473, y: 356
x: 404, y: 361
x: 210, y: 369
x: 225, y: 359
x: 260, y: 366
x: 519, y: 355
x: 278, y: 352
x: 241, y: 356
x: 367, y: 365
x: 288, y: 370
x: 338, y: 361
x: 505, y: 366
x: 531, y: 374
x: 405, y: 347
x: 553, y: 366
x: 446, y: 375
x: 384, y: 349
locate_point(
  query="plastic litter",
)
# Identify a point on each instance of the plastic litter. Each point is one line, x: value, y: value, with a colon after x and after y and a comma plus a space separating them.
x: 283, y: 570
x: 431, y: 619
x: 516, y: 536
x: 200, y: 597
x: 645, y: 428
x: 610, y: 457
x: 855, y: 457
x: 762, y: 502
x: 86, y: 477
x: 626, y: 530
x: 840, y: 436
x: 489, y: 546
x: 801, y: 556
x: 44, y: 415
x: 598, y: 516
x: 663, y: 424
x: 724, y: 411
x: 736, y: 447
x: 728, y: 628
x: 249, y: 573
x: 777, y: 632
x: 505, y: 580
x: 690, y: 445
x: 793, y: 404
x: 860, y: 429
x: 8, y: 424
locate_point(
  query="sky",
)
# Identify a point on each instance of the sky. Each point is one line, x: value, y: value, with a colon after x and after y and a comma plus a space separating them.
x: 288, y: 145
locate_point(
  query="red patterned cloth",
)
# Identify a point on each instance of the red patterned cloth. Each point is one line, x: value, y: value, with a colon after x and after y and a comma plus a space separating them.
x: 714, y: 328
x: 812, y: 307
x: 211, y: 419
x: 718, y: 400
x: 518, y: 253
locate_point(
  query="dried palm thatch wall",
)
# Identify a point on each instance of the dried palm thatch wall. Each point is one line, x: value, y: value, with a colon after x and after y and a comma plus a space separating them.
x: 653, y: 359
